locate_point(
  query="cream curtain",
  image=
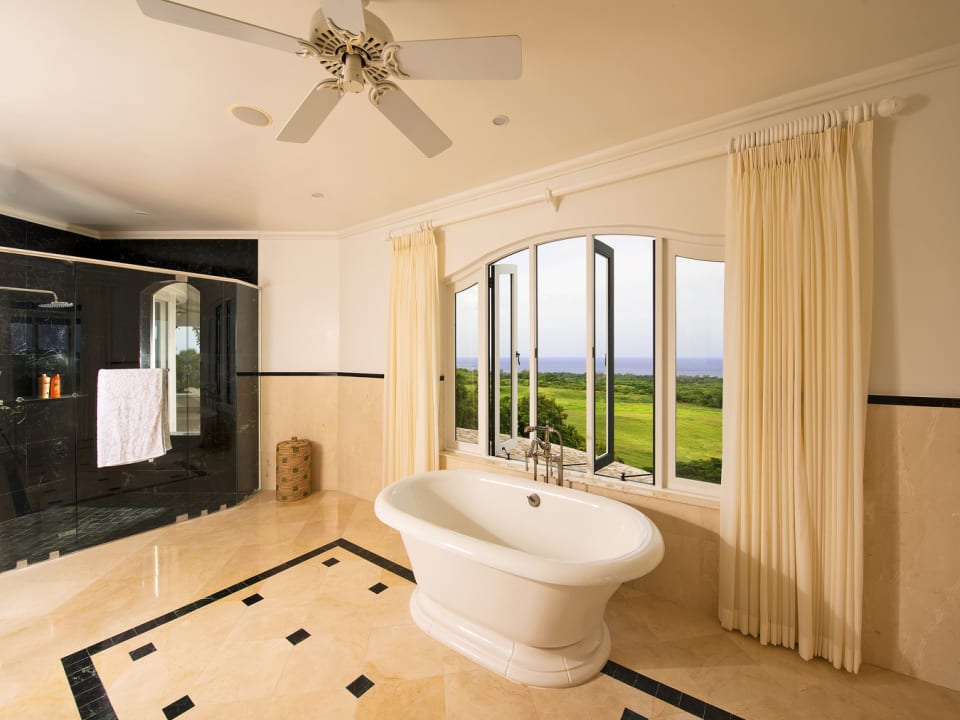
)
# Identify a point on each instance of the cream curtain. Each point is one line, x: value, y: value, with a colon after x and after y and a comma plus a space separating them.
x: 798, y: 310
x: 411, y: 404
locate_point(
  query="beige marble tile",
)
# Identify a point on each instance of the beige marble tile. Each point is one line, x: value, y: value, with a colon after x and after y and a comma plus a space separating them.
x: 600, y: 697
x: 305, y: 407
x: 481, y: 695
x: 404, y: 700
x: 911, y: 615
x: 402, y: 653
x: 233, y: 659
x: 360, y: 427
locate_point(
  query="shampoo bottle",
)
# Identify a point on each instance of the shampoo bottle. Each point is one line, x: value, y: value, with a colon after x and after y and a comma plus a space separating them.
x: 43, y: 386
x: 55, y: 386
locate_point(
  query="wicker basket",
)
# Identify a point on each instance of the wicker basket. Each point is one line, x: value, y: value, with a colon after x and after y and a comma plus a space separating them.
x: 293, y: 469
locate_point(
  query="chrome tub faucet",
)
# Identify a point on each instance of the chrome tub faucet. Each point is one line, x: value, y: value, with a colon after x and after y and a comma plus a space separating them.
x: 544, y: 448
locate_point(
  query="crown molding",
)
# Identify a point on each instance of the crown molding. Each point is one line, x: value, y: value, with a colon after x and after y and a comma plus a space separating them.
x: 301, y: 235
x: 535, y: 183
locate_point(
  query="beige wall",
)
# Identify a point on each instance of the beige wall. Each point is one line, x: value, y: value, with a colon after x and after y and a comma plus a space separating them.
x: 325, y: 308
x: 299, y: 303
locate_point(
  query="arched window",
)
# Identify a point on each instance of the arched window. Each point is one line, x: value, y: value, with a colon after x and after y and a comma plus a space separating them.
x: 613, y: 339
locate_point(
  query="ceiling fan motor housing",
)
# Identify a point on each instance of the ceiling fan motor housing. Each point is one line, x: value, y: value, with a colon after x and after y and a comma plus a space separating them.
x: 352, y: 58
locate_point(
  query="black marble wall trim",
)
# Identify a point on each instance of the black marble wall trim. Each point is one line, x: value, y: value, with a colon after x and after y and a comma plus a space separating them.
x: 329, y: 373
x: 944, y: 402
x: 93, y: 703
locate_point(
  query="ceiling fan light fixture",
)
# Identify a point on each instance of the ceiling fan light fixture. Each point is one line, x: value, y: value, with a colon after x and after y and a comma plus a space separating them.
x: 352, y: 78
x: 251, y: 115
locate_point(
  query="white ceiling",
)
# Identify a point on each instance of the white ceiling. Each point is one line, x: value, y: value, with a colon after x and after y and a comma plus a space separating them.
x: 105, y: 112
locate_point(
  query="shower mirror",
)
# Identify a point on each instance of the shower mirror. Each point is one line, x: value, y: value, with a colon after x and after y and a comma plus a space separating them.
x: 170, y: 338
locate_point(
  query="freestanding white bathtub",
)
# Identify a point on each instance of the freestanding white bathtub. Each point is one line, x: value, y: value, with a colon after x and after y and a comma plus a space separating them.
x: 518, y: 588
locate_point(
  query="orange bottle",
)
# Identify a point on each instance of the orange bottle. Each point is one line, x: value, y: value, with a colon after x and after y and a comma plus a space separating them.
x: 55, y: 386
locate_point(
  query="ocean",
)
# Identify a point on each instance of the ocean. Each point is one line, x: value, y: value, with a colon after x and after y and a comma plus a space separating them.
x: 623, y: 365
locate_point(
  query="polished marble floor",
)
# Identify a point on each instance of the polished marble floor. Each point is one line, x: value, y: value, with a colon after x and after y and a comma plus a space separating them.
x: 274, y: 610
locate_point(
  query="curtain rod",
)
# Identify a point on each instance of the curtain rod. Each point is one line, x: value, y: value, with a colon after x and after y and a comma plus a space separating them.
x: 815, y: 124
x: 425, y: 225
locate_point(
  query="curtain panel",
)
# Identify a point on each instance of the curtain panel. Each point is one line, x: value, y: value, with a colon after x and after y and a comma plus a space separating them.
x: 411, y: 398
x: 798, y: 318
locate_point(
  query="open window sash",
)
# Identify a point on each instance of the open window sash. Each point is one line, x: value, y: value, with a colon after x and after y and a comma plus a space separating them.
x: 504, y: 358
x: 602, y: 351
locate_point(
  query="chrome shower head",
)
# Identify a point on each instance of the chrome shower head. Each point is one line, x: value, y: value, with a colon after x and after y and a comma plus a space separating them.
x: 54, y: 304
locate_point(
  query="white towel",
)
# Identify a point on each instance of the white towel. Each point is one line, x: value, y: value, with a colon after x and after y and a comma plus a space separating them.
x: 132, y: 420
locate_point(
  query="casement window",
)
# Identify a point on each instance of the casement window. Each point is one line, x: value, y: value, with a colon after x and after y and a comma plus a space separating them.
x: 615, y: 340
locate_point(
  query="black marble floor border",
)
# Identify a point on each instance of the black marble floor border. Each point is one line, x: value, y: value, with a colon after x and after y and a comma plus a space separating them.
x: 665, y: 693
x: 88, y: 691
x: 92, y: 701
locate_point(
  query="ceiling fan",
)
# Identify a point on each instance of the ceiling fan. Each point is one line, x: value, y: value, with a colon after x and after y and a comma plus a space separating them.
x: 358, y: 49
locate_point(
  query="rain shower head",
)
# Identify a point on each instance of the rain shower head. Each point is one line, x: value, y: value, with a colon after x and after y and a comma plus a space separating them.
x: 54, y: 304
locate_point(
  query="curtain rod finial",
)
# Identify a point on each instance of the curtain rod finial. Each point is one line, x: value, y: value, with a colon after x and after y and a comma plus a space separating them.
x: 890, y: 106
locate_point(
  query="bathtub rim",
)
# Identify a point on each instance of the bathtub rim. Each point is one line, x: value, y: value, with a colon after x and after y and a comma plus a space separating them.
x: 634, y: 563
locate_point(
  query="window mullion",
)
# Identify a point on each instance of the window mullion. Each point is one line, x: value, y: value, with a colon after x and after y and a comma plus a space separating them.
x: 590, y: 341
x: 660, y: 395
x: 534, y: 335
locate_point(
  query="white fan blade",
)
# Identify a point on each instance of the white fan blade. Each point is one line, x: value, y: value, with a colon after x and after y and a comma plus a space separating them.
x: 482, y: 58
x: 345, y: 14
x: 409, y: 119
x: 178, y: 14
x: 312, y: 112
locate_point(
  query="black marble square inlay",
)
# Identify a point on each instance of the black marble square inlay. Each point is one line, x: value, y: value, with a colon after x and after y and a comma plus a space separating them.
x: 298, y: 636
x: 629, y: 714
x: 378, y: 588
x: 359, y: 686
x: 178, y: 707
x: 330, y: 562
x: 142, y: 651
x: 255, y: 598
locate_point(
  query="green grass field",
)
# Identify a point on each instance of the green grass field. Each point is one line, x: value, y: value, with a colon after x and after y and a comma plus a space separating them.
x: 698, y: 422
x: 699, y: 431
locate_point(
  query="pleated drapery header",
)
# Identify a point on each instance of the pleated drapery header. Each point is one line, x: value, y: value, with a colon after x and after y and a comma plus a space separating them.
x: 815, y: 124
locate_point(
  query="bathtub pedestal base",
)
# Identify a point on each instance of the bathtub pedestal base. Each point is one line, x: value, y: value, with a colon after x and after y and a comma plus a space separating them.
x: 539, y: 667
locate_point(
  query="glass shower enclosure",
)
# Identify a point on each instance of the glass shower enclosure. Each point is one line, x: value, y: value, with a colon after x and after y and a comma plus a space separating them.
x: 67, y: 319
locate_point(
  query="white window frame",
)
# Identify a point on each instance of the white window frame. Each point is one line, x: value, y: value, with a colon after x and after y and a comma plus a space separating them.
x: 668, y: 250
x: 477, y: 278
x: 667, y: 247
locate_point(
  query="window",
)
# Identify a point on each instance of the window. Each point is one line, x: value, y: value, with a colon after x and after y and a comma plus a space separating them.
x: 466, y: 380
x: 615, y: 340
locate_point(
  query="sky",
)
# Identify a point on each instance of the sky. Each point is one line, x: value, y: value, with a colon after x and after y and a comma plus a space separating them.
x: 562, y: 310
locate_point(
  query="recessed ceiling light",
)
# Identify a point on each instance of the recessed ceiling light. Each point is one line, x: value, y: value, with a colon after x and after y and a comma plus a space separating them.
x: 250, y: 115
x: 318, y: 195
x: 499, y: 120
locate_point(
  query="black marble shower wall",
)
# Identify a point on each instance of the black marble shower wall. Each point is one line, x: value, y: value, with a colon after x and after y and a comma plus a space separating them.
x: 53, y: 498
x: 37, y: 438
